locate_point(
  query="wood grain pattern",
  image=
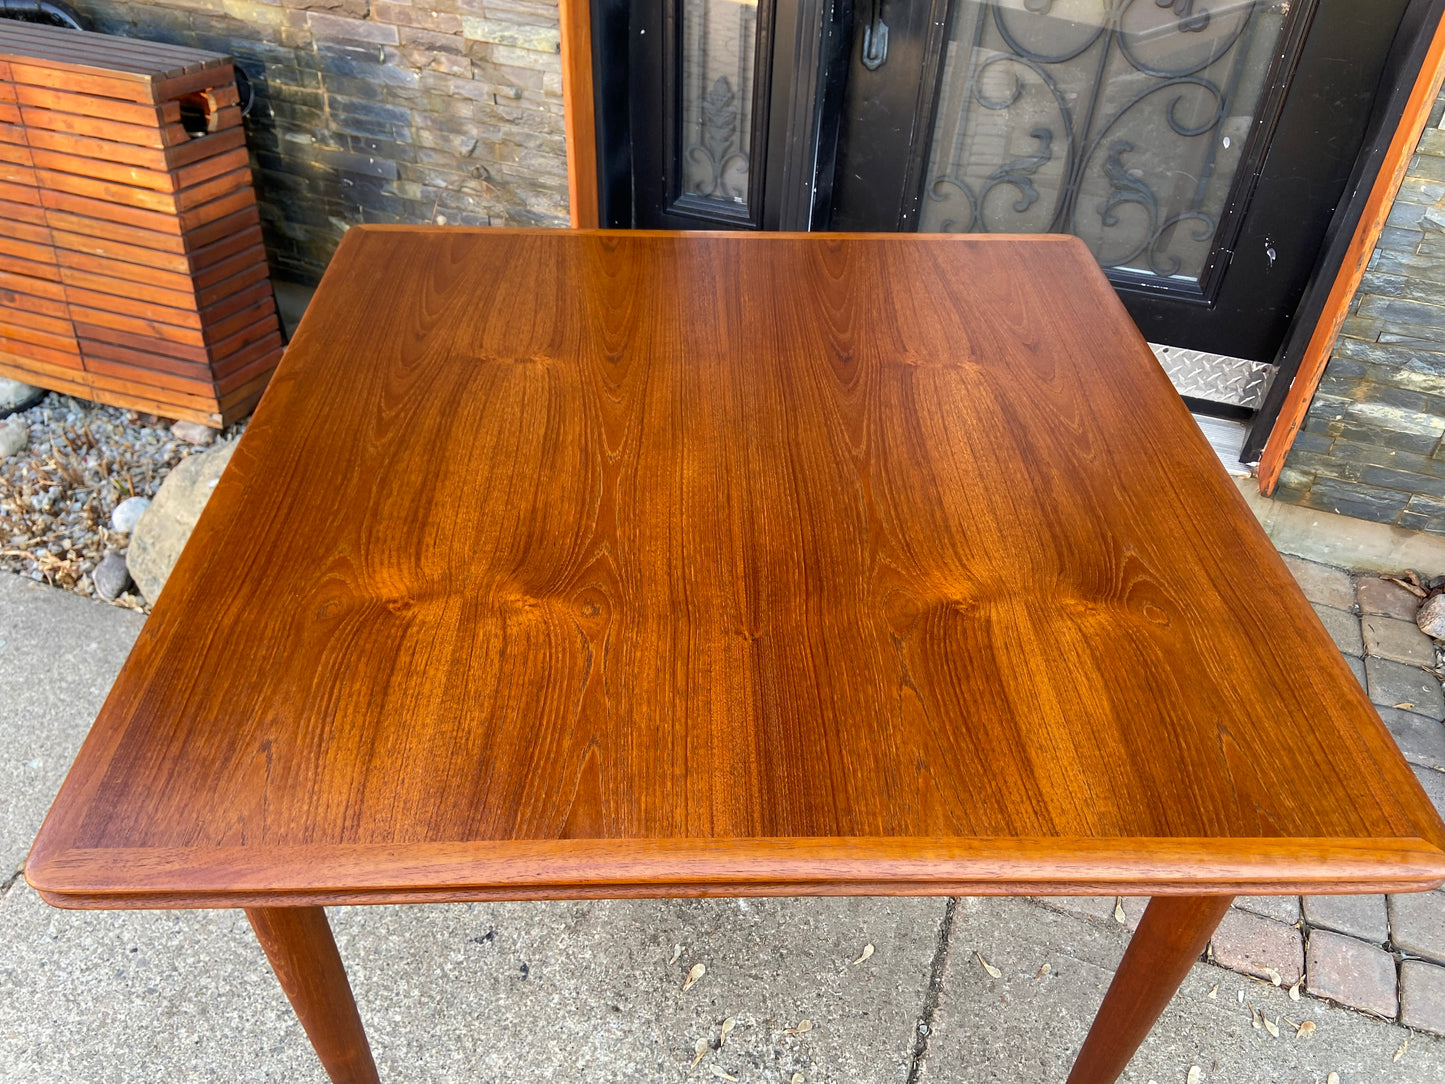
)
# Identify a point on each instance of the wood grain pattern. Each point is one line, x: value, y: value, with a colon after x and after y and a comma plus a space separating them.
x: 579, y: 113
x: 678, y: 564
x: 152, y: 232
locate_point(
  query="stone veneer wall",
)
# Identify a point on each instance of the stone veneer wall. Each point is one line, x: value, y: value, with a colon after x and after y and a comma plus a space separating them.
x: 382, y: 111
x: 1371, y: 446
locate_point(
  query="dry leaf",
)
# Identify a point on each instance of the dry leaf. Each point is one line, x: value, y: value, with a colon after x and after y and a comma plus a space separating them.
x: 1272, y: 1027
x: 1119, y: 916
x: 697, y: 971
x: 1042, y: 971
x: 727, y: 1029
x: 1333, y: 1078
x: 1273, y: 976
x: 1304, y: 1029
x: 1401, y: 1052
x: 1415, y: 590
x: 699, y: 1048
x: 803, y: 1027
x: 797, y: 1078
x: 1294, y: 990
x: 1213, y: 992
x: 867, y: 952
x: 1405, y: 705
x: 721, y: 1073
x: 676, y: 952
x: 1195, y: 1075
x: 993, y: 971
x: 1256, y: 1018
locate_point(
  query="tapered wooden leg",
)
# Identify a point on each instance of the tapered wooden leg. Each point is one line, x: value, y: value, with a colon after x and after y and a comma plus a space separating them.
x: 1170, y: 937
x: 303, y: 954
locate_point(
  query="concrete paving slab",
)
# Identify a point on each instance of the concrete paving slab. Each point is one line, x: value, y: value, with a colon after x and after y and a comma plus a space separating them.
x: 1343, y: 627
x: 1019, y: 1029
x: 566, y: 992
x: 59, y: 654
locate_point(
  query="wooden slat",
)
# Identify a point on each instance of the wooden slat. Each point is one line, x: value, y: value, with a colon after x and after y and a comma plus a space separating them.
x: 150, y: 116
x: 29, y: 213
x: 244, y: 355
x: 33, y: 289
x: 15, y: 265
x: 106, y: 351
x: 86, y: 330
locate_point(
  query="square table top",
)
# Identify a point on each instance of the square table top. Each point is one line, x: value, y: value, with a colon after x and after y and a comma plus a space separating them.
x: 605, y: 564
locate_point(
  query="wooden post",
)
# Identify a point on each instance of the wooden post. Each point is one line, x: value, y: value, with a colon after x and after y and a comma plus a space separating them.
x: 1170, y: 937
x: 303, y: 954
x: 578, y: 114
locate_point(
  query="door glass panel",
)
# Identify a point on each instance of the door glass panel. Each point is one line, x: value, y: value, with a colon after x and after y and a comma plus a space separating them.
x: 719, y: 42
x: 1120, y: 121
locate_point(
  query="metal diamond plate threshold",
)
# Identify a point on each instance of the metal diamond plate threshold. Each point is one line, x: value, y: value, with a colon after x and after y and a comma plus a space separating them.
x: 1215, y: 378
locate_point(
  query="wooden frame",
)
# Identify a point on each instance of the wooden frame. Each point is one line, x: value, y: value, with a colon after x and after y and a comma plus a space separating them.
x: 1375, y: 211
x: 579, y: 113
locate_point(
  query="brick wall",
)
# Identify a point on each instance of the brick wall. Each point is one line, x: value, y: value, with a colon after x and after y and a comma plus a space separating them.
x: 382, y: 111
x: 1371, y: 444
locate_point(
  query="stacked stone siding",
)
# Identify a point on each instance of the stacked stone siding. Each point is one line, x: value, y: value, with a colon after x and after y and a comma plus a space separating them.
x: 1371, y: 444
x: 382, y: 111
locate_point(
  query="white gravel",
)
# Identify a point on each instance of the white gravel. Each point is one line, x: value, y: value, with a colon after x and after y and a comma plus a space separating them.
x: 57, y: 494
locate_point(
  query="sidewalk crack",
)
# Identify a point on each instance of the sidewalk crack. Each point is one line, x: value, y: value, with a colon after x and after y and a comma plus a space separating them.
x: 930, y: 997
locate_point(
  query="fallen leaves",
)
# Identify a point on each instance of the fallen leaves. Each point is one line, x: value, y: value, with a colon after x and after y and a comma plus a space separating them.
x: 992, y: 971
x: 1271, y: 1026
x: 1274, y: 976
x: 1213, y: 992
x: 1406, y: 705
x: 676, y: 955
x: 1411, y: 583
x: 1041, y: 972
x: 694, y: 973
x: 1333, y: 1078
x: 1401, y: 1052
x: 721, y: 1073
x: 699, y: 1050
x: 1196, y: 1074
x: 797, y: 1078
x: 727, y: 1029
x: 867, y: 952
x: 802, y: 1027
x: 1294, y: 990
x: 1119, y: 915
x: 1307, y: 1027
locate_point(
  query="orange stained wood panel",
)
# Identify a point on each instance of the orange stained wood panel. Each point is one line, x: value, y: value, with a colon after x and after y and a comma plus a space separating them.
x: 585, y: 563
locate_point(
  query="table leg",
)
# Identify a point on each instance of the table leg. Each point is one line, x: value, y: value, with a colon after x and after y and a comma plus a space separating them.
x: 303, y: 954
x: 1170, y: 937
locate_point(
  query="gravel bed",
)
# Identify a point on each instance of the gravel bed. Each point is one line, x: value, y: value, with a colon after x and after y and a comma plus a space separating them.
x: 58, y: 493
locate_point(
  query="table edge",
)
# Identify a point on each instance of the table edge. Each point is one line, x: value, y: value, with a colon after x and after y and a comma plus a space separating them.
x: 610, y: 868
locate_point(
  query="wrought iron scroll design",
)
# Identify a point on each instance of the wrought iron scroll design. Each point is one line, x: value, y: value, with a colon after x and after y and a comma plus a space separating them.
x: 1085, y: 138
x: 715, y: 151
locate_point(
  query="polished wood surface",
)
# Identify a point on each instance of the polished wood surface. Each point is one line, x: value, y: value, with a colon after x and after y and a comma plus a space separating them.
x: 566, y: 563
x: 298, y: 942
x: 579, y: 113
x: 1168, y: 942
x: 131, y: 265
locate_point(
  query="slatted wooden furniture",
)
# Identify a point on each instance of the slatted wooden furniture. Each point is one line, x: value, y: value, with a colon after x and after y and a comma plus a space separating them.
x: 685, y: 565
x: 131, y: 263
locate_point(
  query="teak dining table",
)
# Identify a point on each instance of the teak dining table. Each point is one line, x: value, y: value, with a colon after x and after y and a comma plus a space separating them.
x: 566, y: 564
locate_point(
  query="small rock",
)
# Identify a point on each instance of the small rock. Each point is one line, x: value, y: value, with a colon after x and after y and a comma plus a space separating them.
x: 110, y: 577
x: 1431, y: 617
x: 128, y: 513
x: 159, y: 537
x: 193, y: 433
x: 14, y: 436
x: 17, y: 396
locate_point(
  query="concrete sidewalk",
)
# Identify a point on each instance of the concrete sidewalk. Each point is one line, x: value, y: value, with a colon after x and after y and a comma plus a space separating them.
x: 588, y: 991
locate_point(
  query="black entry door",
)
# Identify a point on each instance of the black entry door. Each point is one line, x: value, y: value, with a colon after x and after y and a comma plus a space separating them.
x: 1200, y: 147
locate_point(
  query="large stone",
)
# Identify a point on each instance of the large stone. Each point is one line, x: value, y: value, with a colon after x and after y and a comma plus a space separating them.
x: 1352, y: 973
x: 14, y: 436
x: 1431, y: 617
x: 161, y: 534
x: 1256, y: 946
x: 17, y: 396
x: 194, y: 433
x: 1422, y: 996
x: 1417, y: 924
x: 1358, y: 916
